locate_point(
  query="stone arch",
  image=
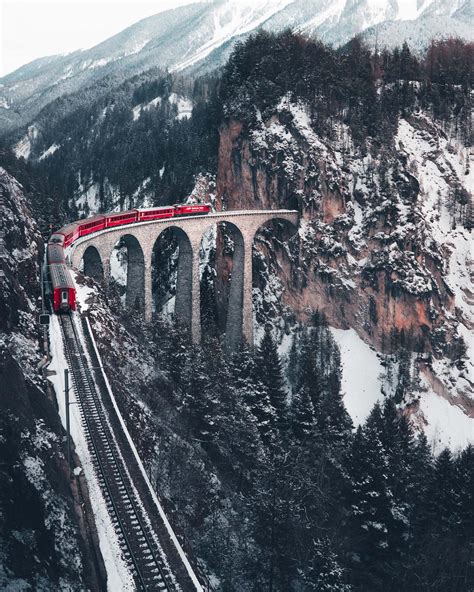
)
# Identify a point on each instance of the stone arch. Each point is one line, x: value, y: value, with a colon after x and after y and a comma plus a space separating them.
x: 134, y: 262
x: 282, y: 228
x: 229, y: 285
x: 179, y: 271
x: 93, y: 265
x: 273, y: 244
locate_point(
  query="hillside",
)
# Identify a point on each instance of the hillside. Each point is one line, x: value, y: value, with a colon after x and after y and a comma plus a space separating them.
x: 379, y: 169
x: 201, y: 36
x: 41, y: 516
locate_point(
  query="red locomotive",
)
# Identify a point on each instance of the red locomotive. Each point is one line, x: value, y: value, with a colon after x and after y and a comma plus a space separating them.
x: 64, y: 294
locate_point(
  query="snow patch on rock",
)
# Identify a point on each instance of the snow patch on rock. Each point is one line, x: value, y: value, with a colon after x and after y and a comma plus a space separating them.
x: 361, y: 374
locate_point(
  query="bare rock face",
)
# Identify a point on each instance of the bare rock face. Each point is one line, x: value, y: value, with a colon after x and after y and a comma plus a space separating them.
x: 21, y: 244
x: 383, y: 244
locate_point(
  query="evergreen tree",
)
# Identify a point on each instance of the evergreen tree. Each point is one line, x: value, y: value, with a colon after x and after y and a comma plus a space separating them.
x: 303, y: 420
x: 370, y: 503
x: 325, y: 573
x: 441, y: 503
x: 333, y: 419
x: 464, y: 496
x: 269, y: 372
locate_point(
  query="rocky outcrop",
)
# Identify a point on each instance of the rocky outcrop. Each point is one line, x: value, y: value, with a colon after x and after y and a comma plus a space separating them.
x: 40, y: 544
x: 383, y: 241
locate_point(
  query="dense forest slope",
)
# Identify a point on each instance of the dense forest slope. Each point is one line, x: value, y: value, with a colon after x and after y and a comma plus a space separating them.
x: 273, y: 492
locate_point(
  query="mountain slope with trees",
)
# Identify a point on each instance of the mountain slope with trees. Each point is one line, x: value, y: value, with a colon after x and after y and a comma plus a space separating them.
x: 258, y: 463
x: 201, y: 35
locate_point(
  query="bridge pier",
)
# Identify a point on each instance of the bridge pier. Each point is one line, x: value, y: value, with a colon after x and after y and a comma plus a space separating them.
x: 196, y: 294
x: 184, y: 282
x: 235, y: 312
x: 190, y: 232
x: 134, y: 294
x: 148, y: 289
x: 247, y: 304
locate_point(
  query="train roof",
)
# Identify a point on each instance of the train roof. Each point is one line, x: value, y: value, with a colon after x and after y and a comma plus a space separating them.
x: 60, y: 276
x: 96, y: 218
x: 170, y: 207
x: 110, y: 214
x: 67, y: 229
x: 55, y: 253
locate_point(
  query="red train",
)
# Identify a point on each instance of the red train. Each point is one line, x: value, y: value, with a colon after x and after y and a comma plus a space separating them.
x: 62, y: 286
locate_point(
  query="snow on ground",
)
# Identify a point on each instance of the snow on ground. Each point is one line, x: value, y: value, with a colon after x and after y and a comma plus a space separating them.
x: 184, y: 106
x: 88, y: 197
x: 361, y: 371
x: 118, y: 266
x: 446, y: 425
x: 82, y: 293
x: 119, y: 578
x: 142, y: 193
x: 100, y: 63
x: 232, y: 19
x: 145, y: 107
x: 331, y: 14
x: 22, y: 148
x: 136, y: 47
x: 51, y: 150
x: 68, y: 72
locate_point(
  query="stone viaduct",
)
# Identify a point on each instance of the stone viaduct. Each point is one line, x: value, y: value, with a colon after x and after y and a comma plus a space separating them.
x: 140, y: 239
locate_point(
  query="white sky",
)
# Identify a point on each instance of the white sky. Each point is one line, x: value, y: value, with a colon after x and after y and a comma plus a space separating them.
x: 30, y: 29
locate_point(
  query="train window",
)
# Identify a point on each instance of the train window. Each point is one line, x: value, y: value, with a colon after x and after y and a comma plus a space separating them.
x: 64, y: 296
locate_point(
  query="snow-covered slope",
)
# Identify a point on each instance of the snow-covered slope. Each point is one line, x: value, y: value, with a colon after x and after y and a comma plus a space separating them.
x: 202, y: 35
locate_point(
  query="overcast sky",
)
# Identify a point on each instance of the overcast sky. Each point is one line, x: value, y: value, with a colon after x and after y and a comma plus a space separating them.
x: 35, y: 28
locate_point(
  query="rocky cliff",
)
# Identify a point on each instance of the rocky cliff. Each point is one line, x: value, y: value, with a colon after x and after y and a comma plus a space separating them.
x: 40, y: 542
x: 384, y: 242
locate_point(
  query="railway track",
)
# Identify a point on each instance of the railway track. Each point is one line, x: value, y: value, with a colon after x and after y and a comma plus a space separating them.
x: 138, y: 541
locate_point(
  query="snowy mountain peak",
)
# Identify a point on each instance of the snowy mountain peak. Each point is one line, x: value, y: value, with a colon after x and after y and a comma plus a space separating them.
x: 231, y: 18
x: 201, y: 36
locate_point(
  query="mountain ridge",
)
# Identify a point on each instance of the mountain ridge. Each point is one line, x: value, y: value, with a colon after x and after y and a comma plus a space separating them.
x: 200, y: 36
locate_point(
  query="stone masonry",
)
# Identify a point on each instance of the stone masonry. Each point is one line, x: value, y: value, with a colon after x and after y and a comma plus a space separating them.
x: 140, y: 239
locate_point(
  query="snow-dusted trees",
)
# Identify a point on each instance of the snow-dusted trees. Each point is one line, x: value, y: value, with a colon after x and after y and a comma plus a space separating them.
x: 269, y: 374
x: 325, y: 573
x: 285, y: 496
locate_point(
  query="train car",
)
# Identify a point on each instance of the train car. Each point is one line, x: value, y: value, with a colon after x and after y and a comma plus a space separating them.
x: 55, y: 253
x: 89, y: 225
x: 62, y: 287
x: 120, y: 218
x: 145, y: 214
x: 69, y: 232
x: 192, y: 209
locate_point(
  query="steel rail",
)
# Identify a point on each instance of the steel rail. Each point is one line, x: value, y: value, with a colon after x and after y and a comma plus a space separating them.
x: 98, y: 431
